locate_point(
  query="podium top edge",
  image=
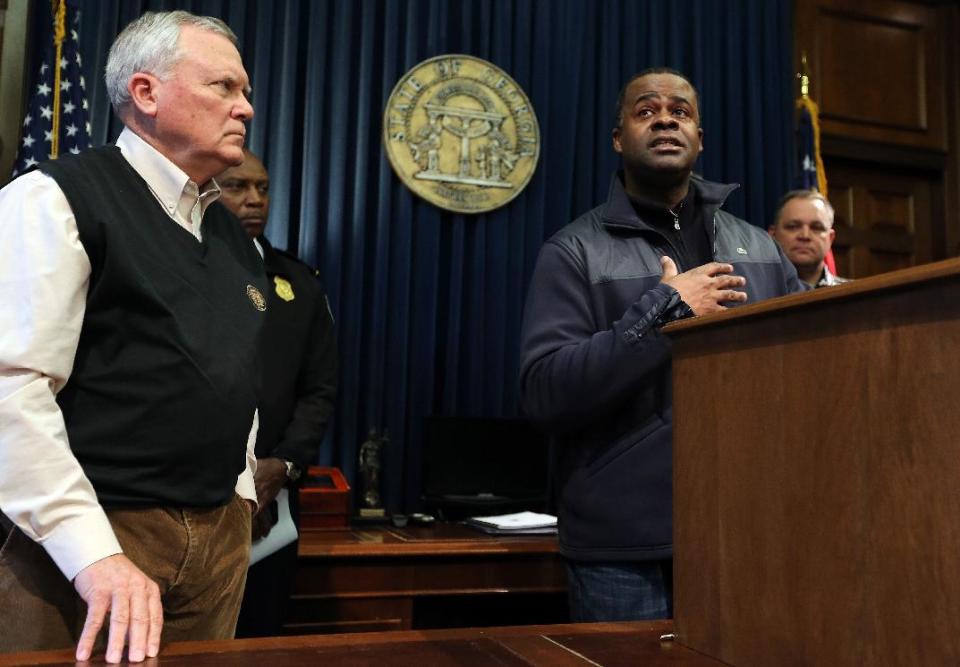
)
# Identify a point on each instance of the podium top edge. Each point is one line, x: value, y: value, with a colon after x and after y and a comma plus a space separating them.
x: 883, y: 282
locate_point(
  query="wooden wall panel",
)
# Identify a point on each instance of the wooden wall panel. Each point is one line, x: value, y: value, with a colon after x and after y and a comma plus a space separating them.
x: 841, y: 198
x: 882, y: 219
x: 885, y: 53
x: 877, y: 69
x: 886, y: 76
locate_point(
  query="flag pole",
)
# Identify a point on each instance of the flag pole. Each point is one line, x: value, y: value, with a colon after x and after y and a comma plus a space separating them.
x: 804, y: 76
x: 59, y: 8
x: 805, y: 101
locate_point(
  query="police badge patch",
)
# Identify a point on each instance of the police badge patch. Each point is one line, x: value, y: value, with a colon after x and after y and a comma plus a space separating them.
x: 283, y: 288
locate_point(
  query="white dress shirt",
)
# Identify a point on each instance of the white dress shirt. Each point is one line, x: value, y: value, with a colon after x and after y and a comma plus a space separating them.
x: 44, y: 275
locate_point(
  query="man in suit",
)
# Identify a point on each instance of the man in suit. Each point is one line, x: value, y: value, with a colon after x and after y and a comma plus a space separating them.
x: 299, y: 386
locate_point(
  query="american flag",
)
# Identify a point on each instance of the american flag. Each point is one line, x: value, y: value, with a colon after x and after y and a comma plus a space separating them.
x: 807, y: 152
x: 811, y: 174
x: 58, y: 96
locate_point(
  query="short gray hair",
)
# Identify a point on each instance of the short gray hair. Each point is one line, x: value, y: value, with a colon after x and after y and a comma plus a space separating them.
x: 151, y: 44
x: 802, y: 194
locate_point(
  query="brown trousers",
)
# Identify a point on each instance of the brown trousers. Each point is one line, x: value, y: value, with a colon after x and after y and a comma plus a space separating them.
x: 198, y: 558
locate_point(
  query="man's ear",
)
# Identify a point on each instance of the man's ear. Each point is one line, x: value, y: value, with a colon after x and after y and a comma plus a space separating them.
x: 700, y: 132
x: 617, y: 148
x: 143, y: 89
x: 772, y: 231
x: 832, y: 235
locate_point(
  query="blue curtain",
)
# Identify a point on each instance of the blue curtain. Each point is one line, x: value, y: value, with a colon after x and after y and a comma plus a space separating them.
x: 429, y: 303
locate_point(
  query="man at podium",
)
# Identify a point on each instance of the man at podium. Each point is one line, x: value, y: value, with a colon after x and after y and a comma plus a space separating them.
x: 595, y: 369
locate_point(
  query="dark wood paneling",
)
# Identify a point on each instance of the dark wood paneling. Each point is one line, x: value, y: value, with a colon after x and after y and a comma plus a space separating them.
x: 816, y: 511
x: 380, y: 578
x: 886, y: 75
x: 885, y: 52
x: 883, y: 218
x: 309, y: 615
x: 950, y: 202
x: 408, y: 576
x: 877, y: 69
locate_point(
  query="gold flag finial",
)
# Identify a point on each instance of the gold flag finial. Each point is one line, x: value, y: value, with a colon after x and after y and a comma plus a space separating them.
x: 804, y: 75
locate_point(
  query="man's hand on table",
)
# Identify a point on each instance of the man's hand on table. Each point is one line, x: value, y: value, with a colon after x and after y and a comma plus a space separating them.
x: 116, y: 586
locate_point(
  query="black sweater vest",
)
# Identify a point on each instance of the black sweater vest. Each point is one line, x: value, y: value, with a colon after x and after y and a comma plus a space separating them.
x: 164, y: 385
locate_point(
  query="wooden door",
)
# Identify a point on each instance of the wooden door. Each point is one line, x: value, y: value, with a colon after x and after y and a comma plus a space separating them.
x: 883, y: 218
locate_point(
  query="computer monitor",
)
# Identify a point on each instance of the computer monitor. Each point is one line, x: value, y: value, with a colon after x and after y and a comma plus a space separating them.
x: 479, y: 466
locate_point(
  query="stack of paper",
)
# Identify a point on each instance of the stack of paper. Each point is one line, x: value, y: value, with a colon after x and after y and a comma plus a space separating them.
x: 283, y: 532
x: 521, y: 523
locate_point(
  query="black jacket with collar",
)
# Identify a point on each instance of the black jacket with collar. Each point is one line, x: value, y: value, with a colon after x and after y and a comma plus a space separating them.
x: 595, y: 369
x: 298, y: 354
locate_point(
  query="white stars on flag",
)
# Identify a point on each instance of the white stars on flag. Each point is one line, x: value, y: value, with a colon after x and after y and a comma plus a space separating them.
x: 73, y: 123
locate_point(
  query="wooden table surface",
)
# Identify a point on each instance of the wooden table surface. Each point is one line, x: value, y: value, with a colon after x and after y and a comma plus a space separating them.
x: 605, y: 644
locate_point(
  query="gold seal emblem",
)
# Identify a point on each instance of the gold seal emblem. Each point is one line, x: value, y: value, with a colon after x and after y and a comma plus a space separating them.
x: 461, y: 133
x: 283, y: 288
x: 256, y: 298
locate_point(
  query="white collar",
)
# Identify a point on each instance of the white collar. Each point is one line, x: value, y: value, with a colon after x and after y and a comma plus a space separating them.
x: 169, y: 184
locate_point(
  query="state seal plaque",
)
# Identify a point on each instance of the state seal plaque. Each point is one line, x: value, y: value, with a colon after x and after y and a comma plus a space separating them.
x: 461, y: 133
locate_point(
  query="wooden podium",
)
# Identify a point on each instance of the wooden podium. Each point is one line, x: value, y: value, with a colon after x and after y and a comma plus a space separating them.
x: 817, y: 475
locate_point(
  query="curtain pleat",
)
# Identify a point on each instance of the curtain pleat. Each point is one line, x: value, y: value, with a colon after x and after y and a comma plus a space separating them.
x: 429, y: 303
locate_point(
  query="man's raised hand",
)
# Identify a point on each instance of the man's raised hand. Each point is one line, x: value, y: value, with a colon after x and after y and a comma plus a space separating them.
x: 705, y: 288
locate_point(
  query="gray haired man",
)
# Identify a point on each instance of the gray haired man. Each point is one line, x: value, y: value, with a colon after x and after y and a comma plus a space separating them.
x: 131, y: 307
x: 803, y: 226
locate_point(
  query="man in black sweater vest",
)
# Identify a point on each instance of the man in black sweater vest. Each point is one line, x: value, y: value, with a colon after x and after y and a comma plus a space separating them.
x: 298, y: 354
x: 128, y: 363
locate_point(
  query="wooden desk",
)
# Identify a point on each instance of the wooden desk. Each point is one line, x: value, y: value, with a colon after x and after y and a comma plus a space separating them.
x: 606, y: 644
x: 442, y: 576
